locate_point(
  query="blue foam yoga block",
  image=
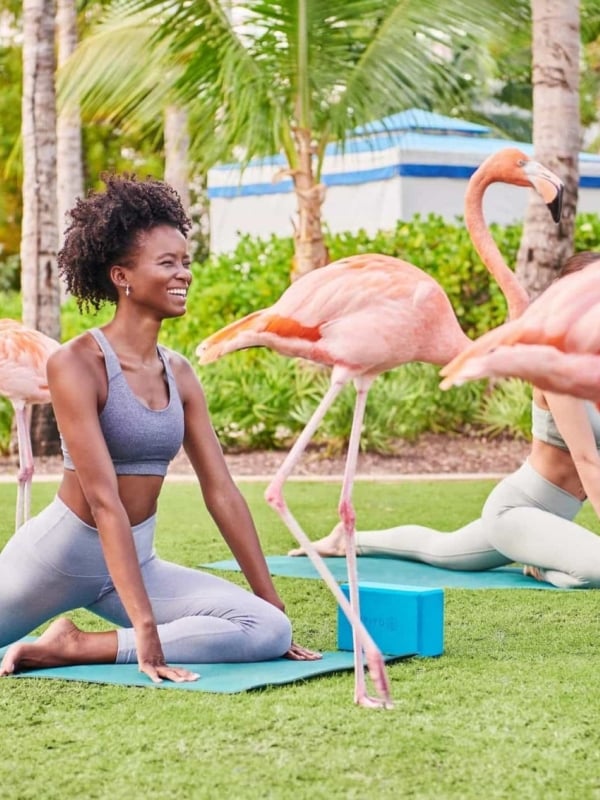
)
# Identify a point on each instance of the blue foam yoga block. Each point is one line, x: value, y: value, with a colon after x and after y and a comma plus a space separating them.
x: 403, y: 620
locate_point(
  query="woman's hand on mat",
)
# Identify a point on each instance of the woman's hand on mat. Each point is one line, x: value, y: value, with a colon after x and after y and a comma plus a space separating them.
x: 160, y: 672
x: 299, y: 653
x: 151, y: 662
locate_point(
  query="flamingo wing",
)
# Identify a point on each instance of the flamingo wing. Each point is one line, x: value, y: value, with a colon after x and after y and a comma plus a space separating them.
x: 366, y: 312
x: 562, y: 321
x: 23, y: 356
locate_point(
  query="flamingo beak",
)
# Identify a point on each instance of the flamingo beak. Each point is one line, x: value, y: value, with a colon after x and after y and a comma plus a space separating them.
x: 555, y: 205
x: 548, y: 185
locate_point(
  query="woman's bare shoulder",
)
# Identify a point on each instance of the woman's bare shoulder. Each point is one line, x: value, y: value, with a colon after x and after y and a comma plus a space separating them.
x: 181, y: 366
x: 176, y: 359
x: 80, y: 351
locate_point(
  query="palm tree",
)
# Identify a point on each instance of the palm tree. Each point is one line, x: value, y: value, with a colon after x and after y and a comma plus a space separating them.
x: 127, y: 94
x: 39, y: 234
x: 556, y: 137
x: 259, y: 78
x: 68, y: 130
x: 177, y: 145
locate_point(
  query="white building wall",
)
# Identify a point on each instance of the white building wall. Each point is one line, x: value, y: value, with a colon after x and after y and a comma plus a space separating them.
x: 376, y: 193
x: 372, y: 206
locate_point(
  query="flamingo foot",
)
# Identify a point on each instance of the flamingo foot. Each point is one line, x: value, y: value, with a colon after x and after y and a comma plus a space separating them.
x: 379, y: 677
x: 372, y: 702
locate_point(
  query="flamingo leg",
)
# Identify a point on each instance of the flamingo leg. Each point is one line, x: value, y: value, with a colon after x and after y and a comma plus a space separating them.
x: 274, y: 496
x: 372, y: 653
x: 25, y: 474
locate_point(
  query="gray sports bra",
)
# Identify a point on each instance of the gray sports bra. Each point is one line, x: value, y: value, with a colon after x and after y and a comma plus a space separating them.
x: 544, y: 427
x: 140, y: 440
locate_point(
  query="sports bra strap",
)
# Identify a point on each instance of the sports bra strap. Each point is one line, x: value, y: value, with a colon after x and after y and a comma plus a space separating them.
x: 113, y: 366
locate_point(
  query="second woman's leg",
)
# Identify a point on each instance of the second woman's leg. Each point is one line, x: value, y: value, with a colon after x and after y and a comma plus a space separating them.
x: 467, y: 548
x: 566, y: 554
x: 530, y: 520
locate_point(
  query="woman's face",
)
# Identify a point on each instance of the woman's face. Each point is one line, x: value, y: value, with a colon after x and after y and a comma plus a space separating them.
x: 160, y: 276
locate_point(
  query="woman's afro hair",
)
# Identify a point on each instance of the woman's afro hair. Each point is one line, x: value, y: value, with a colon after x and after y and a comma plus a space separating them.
x: 104, y: 229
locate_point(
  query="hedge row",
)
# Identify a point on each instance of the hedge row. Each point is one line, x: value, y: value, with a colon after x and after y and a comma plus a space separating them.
x: 260, y: 399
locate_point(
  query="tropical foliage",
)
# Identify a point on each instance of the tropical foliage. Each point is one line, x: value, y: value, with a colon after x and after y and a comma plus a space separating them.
x: 489, y: 80
x: 261, y: 78
x: 260, y: 399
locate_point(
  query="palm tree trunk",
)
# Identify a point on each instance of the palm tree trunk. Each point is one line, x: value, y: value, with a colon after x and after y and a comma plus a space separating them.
x: 556, y: 138
x: 39, y: 233
x: 177, y: 144
x: 200, y: 215
x: 192, y: 191
x: 309, y: 244
x: 69, y: 157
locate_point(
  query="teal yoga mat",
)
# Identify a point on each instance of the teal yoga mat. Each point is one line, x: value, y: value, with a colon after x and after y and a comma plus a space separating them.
x: 221, y: 678
x: 397, y: 571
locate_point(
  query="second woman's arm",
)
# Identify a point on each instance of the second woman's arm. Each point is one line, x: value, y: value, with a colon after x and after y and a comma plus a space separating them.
x: 571, y: 418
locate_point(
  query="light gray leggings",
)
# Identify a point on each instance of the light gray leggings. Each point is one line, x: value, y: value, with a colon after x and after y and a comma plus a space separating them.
x: 54, y: 563
x: 525, y: 519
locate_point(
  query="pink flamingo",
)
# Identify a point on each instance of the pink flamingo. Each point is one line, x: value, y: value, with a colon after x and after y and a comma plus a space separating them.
x: 364, y: 315
x: 23, y: 356
x: 554, y: 345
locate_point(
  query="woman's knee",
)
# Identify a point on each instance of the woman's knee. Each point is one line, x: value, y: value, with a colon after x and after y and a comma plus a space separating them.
x: 272, y: 636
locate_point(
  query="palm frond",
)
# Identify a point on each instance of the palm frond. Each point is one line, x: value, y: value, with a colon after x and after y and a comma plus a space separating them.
x: 250, y: 73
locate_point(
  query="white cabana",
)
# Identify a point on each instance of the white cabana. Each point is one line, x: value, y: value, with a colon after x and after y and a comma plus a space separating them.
x: 409, y: 163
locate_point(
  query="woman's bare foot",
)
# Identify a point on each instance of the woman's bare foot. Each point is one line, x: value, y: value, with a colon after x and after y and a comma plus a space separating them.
x: 534, y: 572
x: 334, y: 544
x: 56, y: 647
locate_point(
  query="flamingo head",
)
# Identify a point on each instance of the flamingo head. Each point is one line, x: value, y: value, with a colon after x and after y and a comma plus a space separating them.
x: 511, y: 165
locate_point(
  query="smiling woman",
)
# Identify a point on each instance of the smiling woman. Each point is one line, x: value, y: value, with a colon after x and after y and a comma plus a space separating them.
x: 125, y: 406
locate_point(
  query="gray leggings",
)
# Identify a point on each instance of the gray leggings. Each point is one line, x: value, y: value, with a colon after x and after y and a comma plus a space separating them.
x: 54, y: 563
x: 525, y: 519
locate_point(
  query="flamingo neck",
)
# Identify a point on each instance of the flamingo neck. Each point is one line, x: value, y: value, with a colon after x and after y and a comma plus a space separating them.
x: 483, y: 241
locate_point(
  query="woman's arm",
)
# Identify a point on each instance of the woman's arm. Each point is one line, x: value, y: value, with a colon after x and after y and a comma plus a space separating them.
x: 223, y: 499
x: 74, y: 387
x: 571, y: 418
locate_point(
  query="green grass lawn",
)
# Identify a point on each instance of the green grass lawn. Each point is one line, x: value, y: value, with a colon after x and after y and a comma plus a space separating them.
x: 511, y: 710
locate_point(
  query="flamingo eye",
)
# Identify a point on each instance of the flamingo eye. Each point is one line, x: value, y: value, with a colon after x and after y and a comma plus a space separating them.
x: 520, y: 163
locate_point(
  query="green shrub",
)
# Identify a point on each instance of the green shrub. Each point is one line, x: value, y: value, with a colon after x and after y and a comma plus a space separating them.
x: 10, y: 305
x: 73, y: 322
x: 260, y: 399
x: 10, y: 274
x: 587, y: 231
x: 6, y: 416
x: 402, y: 404
x: 506, y: 409
x: 252, y: 396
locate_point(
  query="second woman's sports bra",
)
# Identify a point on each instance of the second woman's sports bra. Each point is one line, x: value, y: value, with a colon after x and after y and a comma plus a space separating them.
x: 544, y: 427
